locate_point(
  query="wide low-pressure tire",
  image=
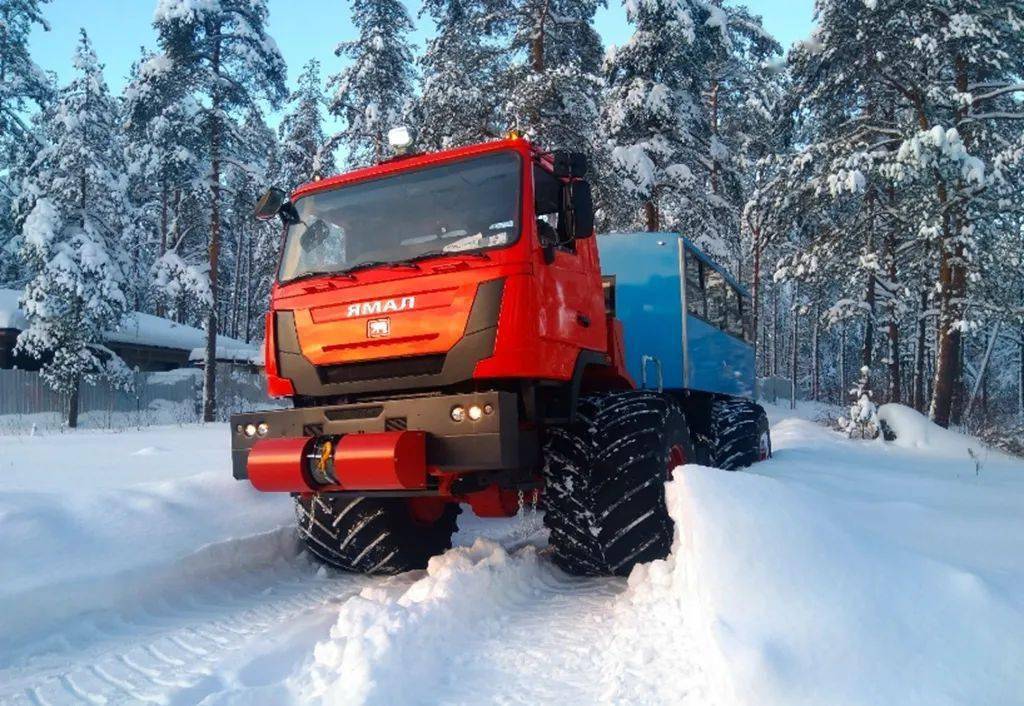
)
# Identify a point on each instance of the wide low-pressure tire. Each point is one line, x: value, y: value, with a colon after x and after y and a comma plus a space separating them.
x: 605, y: 481
x: 372, y: 536
x: 739, y: 433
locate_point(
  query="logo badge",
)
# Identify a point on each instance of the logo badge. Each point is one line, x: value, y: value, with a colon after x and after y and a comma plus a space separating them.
x: 378, y: 328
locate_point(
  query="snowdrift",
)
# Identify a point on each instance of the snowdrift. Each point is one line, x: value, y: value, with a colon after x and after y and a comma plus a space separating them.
x: 914, y: 430
x: 797, y: 594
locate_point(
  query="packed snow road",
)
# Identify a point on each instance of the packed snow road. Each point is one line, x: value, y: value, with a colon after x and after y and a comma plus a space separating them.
x: 133, y: 569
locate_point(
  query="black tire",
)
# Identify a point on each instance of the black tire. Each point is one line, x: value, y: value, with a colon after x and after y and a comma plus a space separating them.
x: 739, y: 433
x: 371, y: 536
x: 605, y: 481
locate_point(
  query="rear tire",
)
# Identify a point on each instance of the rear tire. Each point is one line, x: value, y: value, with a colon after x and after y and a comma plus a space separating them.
x: 605, y: 481
x: 372, y: 536
x: 739, y: 433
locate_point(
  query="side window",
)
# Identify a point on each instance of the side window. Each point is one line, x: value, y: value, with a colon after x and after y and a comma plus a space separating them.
x: 696, y: 304
x: 734, y: 313
x: 716, y: 289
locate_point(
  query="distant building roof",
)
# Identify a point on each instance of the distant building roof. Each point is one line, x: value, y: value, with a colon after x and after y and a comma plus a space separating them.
x: 146, y: 330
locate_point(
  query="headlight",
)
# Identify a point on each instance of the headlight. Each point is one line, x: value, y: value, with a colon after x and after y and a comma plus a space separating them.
x: 262, y: 428
x: 458, y: 413
x: 475, y: 412
x: 250, y: 430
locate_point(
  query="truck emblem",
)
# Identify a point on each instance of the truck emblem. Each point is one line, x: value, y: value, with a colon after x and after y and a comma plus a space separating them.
x: 381, y: 306
x: 378, y: 328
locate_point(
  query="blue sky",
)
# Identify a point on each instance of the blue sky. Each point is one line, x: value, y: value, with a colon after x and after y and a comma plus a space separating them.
x: 303, y: 28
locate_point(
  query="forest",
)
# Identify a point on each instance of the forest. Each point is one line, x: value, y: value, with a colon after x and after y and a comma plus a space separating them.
x: 865, y: 183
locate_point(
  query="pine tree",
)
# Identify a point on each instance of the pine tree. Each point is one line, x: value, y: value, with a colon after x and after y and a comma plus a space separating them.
x: 223, y: 52
x: 244, y: 261
x: 23, y: 86
x: 74, y: 196
x: 461, y: 67
x: 372, y: 93
x: 912, y: 147
x: 21, y: 80
x: 305, y: 154
x: 653, y: 114
x: 164, y: 145
x: 553, y: 81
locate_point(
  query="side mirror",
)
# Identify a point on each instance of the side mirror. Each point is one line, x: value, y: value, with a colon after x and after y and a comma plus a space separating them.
x: 270, y: 204
x: 570, y: 165
x: 576, y: 221
x: 582, y: 210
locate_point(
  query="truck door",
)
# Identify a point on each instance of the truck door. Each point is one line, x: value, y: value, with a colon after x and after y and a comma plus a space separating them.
x: 572, y: 304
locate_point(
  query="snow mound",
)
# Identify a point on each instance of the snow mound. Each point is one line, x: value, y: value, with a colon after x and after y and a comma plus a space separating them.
x: 914, y: 430
x: 394, y: 640
x: 787, y: 603
x: 150, y: 451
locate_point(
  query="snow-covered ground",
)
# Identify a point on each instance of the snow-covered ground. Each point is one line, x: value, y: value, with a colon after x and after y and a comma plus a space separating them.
x: 133, y: 568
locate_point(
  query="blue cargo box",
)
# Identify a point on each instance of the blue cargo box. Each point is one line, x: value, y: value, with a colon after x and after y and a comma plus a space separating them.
x: 706, y: 349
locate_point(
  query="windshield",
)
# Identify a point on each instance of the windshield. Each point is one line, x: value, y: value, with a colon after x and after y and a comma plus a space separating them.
x: 460, y: 206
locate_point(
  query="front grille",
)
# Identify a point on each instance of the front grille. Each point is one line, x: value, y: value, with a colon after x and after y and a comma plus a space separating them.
x: 382, y: 369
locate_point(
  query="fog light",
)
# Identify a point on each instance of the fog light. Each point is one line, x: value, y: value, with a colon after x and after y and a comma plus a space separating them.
x: 475, y: 412
x: 262, y: 429
x: 250, y: 430
x: 458, y: 413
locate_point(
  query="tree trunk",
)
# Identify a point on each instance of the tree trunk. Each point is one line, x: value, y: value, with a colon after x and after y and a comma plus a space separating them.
x: 775, y: 330
x: 795, y: 344
x: 947, y: 365
x: 73, y: 400
x: 843, y: 391
x: 815, y: 363
x: 651, y: 216
x: 714, y: 134
x: 919, y: 353
x: 248, y: 294
x: 894, y: 361
x: 236, y: 286
x: 210, y: 371
x: 1020, y: 380
x: 160, y: 309
x: 756, y: 277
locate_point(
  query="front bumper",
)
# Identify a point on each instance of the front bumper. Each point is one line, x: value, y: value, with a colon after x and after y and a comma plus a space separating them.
x: 494, y: 442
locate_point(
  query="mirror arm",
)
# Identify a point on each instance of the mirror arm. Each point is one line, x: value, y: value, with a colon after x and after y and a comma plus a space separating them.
x: 288, y: 214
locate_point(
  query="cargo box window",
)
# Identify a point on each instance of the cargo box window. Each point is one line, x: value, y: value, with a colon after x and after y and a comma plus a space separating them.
x: 696, y: 304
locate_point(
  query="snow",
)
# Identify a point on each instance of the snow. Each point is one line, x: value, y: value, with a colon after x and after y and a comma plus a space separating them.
x: 839, y: 572
x: 143, y: 329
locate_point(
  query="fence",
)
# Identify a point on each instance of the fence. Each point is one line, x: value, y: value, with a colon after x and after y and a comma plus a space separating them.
x: 774, y: 388
x: 173, y: 397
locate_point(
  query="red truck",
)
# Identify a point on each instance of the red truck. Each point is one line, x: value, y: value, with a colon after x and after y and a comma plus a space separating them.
x: 442, y: 328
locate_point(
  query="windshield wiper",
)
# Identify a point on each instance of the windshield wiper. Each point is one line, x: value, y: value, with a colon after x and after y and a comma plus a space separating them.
x: 478, y: 254
x: 381, y: 263
x: 320, y: 273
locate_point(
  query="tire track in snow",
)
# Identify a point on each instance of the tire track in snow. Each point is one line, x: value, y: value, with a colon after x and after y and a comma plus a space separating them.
x: 175, y: 643
x: 494, y: 622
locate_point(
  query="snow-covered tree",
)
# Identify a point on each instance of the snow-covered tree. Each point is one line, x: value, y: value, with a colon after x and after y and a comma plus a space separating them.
x: 305, y: 154
x: 553, y: 83
x: 23, y: 86
x: 223, y: 52
x: 245, y: 264
x: 653, y: 115
x: 915, y: 135
x: 372, y: 93
x: 74, y: 196
x: 165, y: 167
x: 21, y: 81
x: 462, y: 65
